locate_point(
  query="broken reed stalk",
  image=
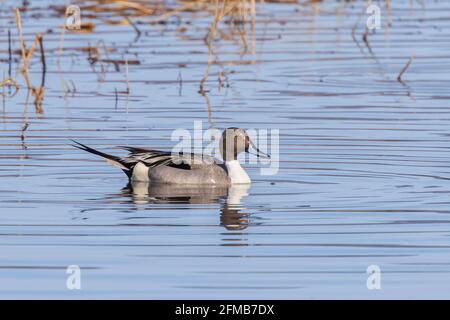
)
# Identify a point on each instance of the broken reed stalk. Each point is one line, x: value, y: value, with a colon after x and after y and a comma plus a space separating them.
x: 405, y: 67
x: 355, y: 26
x: 25, y: 123
x: 24, y: 128
x: 38, y: 92
x: 169, y: 14
x: 208, y: 104
x: 9, y: 54
x: 74, y: 87
x: 27, y: 54
x: 3, y: 95
x: 44, y: 65
x: 59, y: 52
x: 23, y: 48
x: 180, y: 84
x: 388, y: 12
x: 9, y: 81
x: 136, y: 6
x: 240, y: 9
x: 209, y: 39
x: 116, y: 96
x: 242, y: 32
x: 126, y: 77
x: 136, y: 29
x: 365, y: 37
x: 252, y: 26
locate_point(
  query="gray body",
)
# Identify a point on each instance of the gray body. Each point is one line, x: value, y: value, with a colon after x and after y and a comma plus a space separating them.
x: 199, y: 174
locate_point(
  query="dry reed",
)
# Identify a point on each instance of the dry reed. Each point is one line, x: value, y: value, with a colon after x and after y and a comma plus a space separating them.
x: 27, y: 54
x: 405, y: 67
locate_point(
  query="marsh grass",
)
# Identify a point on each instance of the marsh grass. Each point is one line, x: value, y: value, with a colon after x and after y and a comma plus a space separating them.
x: 230, y: 20
x: 27, y: 54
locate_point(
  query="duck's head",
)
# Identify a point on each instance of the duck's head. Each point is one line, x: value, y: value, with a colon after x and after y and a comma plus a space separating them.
x: 236, y: 140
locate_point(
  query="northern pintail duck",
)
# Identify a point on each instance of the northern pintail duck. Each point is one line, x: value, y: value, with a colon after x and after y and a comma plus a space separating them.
x: 155, y: 166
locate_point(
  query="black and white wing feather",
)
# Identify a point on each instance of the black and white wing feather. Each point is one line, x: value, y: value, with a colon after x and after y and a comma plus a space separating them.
x: 156, y: 158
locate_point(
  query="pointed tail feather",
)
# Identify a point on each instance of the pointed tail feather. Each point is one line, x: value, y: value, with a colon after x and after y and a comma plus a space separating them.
x: 113, y: 160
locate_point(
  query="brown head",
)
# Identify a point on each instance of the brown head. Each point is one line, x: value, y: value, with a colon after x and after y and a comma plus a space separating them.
x: 236, y: 140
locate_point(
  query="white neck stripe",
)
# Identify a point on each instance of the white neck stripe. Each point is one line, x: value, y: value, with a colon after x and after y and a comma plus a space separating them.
x: 236, y: 173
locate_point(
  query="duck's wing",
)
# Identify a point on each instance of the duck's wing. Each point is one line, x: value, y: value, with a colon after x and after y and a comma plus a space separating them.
x: 156, y: 158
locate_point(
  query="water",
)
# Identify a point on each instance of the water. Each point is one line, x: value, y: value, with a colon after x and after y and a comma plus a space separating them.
x: 363, y: 179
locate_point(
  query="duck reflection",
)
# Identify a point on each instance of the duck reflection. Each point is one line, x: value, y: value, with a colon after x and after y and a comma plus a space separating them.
x: 231, y: 216
x: 229, y: 198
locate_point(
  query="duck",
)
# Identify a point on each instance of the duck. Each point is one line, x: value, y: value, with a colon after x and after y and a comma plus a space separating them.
x: 162, y: 167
